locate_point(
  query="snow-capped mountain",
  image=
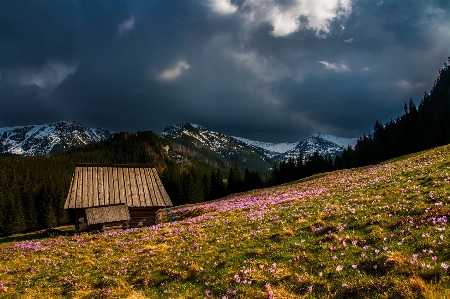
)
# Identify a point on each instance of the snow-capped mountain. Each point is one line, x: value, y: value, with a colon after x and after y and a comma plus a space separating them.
x: 269, y: 149
x: 220, y: 143
x: 48, y: 138
x: 224, y: 145
x: 343, y: 142
x: 191, y: 143
x: 325, y: 145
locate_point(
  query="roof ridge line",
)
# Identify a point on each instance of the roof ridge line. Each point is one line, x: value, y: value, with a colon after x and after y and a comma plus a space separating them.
x: 114, y: 165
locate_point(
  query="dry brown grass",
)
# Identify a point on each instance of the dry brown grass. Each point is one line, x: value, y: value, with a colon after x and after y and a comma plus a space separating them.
x: 397, y: 263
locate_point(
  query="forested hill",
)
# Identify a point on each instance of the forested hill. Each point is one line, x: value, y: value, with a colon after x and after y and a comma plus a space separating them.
x: 193, y: 144
x: 419, y: 128
x: 126, y: 148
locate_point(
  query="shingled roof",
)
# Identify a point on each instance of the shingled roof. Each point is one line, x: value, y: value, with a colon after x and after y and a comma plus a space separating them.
x: 103, y: 185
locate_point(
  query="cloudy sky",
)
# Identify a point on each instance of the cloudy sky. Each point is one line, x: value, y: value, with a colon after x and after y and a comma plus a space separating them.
x: 269, y: 70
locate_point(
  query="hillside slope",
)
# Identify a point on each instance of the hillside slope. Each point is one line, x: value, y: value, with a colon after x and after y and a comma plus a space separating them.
x: 375, y: 232
x: 191, y: 143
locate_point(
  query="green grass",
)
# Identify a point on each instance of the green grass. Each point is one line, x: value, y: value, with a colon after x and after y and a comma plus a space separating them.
x: 37, y: 235
x: 373, y: 232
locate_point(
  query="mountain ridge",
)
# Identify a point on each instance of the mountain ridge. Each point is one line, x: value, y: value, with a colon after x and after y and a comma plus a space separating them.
x: 185, y: 138
x: 326, y: 145
x: 194, y: 143
x: 44, y: 139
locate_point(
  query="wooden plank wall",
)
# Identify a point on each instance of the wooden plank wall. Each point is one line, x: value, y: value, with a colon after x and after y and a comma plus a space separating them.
x: 140, y: 217
x: 94, y: 186
x: 107, y: 214
x: 114, y: 226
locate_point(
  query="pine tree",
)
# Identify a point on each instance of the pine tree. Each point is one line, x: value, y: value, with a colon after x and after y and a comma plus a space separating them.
x: 15, y: 219
x: 217, y: 184
x: 207, y: 189
x: 300, y: 167
x: 49, y: 218
x: 171, y: 180
x: 252, y: 180
x: 234, y: 180
x: 3, y: 212
x: 275, y: 175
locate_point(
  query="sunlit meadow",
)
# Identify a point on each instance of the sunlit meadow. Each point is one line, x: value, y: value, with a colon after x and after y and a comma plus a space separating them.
x: 373, y: 232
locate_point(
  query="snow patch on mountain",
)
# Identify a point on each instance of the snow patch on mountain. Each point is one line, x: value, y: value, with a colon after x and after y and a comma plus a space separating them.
x: 343, y: 142
x: 273, y: 147
x: 44, y: 139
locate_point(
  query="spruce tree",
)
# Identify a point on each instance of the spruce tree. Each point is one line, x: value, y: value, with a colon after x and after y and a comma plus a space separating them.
x: 3, y: 212
x: 206, y: 185
x: 234, y: 180
x: 15, y: 219
x: 217, y: 184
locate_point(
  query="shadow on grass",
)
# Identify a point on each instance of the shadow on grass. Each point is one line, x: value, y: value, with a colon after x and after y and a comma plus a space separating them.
x: 39, y: 235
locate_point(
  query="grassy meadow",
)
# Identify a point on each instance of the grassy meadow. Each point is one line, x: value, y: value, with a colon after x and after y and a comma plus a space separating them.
x: 375, y: 232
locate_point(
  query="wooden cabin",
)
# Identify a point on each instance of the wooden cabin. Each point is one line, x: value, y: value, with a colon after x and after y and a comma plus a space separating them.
x: 107, y: 197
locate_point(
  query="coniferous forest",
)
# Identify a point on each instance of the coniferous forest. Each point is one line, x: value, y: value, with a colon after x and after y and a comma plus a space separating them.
x: 33, y: 189
x: 418, y: 129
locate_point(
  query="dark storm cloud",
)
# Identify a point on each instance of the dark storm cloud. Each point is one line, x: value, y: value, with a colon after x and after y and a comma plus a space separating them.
x: 271, y: 71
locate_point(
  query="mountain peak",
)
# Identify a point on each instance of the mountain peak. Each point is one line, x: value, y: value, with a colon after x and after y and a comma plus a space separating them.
x: 170, y: 130
x: 319, y: 135
x: 198, y: 127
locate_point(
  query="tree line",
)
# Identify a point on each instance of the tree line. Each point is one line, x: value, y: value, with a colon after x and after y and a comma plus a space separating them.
x: 194, y: 185
x: 299, y: 168
x: 419, y: 128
